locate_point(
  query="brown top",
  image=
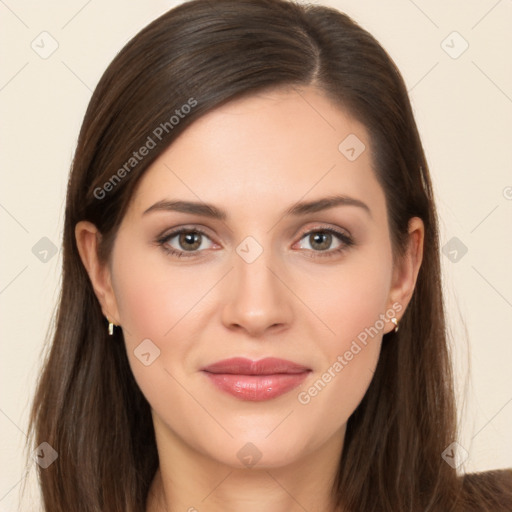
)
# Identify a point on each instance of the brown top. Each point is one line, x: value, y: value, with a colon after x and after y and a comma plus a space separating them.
x: 488, y: 491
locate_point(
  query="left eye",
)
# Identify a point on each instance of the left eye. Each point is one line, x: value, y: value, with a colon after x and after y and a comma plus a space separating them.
x: 321, y: 240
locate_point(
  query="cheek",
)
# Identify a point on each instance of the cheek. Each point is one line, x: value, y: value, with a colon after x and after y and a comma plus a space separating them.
x: 155, y: 303
x: 152, y: 297
x: 353, y: 298
x: 352, y: 307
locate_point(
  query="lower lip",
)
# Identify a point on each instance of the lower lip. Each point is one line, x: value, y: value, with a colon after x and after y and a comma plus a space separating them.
x: 257, y: 387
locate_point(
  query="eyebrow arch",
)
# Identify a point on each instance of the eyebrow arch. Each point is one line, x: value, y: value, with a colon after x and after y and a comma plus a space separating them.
x: 317, y: 205
x: 298, y: 209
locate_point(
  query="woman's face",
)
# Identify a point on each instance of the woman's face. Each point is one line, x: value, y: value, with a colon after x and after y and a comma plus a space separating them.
x: 273, y: 274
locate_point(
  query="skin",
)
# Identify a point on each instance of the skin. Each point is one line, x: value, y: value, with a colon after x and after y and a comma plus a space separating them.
x: 254, y: 157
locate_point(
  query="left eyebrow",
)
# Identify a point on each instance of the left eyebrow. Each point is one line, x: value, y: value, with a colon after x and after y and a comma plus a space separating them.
x: 306, y: 207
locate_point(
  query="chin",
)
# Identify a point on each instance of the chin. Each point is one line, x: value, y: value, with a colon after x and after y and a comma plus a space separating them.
x: 258, y: 451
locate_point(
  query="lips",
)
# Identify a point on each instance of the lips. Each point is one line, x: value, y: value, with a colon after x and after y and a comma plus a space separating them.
x: 267, y: 366
x: 256, y: 380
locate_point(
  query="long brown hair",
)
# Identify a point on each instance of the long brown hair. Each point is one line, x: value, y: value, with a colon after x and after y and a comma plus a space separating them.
x: 88, y: 407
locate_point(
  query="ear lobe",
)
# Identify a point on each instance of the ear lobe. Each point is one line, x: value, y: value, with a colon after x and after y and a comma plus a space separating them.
x: 407, y: 268
x: 88, y: 238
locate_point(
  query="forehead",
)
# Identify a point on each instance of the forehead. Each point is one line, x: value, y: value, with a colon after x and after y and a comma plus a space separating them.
x: 271, y: 148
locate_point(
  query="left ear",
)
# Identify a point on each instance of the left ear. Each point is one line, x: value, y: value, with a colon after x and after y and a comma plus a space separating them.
x: 406, y: 269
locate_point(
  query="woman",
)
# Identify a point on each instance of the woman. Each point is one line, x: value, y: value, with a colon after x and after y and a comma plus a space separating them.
x: 251, y: 313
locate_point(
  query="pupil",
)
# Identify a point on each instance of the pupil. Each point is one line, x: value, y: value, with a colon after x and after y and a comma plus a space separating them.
x: 188, y: 238
x: 317, y: 239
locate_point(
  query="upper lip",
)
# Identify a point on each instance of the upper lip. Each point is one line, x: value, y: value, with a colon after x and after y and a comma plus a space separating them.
x: 266, y: 366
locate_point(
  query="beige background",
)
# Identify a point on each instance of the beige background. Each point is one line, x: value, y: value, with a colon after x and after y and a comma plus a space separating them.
x: 463, y: 107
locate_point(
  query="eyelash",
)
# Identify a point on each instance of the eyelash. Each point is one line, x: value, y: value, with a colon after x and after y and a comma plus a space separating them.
x: 346, y: 240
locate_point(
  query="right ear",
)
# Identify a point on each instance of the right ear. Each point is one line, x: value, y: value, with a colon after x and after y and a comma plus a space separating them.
x: 88, y: 238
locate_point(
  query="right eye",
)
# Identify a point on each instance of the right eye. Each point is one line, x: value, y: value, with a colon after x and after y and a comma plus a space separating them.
x: 189, y: 242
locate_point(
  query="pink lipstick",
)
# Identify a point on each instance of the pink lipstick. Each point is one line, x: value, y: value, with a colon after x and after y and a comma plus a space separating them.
x: 256, y: 380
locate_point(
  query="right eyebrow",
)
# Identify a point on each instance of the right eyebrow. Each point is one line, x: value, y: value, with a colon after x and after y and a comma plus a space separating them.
x: 204, y: 209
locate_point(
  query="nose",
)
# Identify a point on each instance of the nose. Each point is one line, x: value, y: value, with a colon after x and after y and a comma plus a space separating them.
x: 258, y: 300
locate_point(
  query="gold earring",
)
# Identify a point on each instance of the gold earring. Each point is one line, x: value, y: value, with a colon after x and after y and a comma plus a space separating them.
x: 111, y: 326
x: 395, y: 321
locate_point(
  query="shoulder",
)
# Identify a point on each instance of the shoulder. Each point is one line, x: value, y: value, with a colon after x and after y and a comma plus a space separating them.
x: 487, y: 491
